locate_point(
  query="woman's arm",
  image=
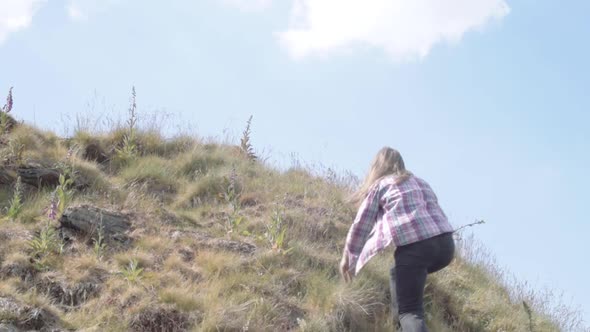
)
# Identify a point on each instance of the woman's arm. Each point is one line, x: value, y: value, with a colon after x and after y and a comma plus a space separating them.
x: 359, y: 231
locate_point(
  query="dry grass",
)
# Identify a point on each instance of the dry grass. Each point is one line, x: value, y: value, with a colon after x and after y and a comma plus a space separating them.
x: 174, y: 188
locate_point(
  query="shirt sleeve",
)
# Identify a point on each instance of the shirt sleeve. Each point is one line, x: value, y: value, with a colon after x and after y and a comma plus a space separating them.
x: 362, y: 226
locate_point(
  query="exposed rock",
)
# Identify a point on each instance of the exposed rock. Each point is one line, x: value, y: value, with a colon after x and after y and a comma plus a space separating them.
x: 68, y: 294
x: 17, y: 316
x: 8, y: 328
x: 39, y: 177
x: 12, y: 232
x: 7, y: 177
x: 94, y: 152
x: 161, y: 191
x: 192, y: 274
x: 187, y: 254
x: 36, y: 176
x: 166, y: 217
x: 229, y: 245
x: 163, y: 319
x: 22, y: 270
x: 89, y: 220
x: 207, y: 241
x: 247, y: 200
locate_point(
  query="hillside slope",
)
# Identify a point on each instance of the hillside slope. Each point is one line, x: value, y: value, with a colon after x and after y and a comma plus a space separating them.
x: 143, y: 233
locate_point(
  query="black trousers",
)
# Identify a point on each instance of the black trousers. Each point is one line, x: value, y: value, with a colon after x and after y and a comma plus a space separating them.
x: 413, y: 262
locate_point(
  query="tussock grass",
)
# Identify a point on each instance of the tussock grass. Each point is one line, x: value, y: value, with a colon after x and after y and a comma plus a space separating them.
x: 199, y: 162
x: 203, y: 191
x: 144, y: 260
x: 34, y: 207
x: 90, y: 175
x: 155, y: 172
x: 183, y: 298
x: 216, y: 264
x: 151, y: 142
x: 154, y: 243
x: 29, y: 139
x: 32, y: 139
x: 84, y: 138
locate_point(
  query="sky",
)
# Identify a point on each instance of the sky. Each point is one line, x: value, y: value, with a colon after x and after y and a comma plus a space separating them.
x: 487, y: 100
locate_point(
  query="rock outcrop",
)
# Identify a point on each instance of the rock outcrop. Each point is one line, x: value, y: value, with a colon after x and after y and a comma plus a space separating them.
x: 90, y: 220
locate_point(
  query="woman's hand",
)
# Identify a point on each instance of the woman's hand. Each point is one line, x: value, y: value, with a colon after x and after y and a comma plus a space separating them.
x: 344, y: 268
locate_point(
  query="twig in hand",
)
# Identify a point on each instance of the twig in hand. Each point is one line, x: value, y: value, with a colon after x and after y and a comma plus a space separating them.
x: 477, y: 222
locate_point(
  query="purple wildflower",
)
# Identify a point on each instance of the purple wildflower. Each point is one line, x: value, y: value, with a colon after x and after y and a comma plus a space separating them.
x: 9, y: 102
x: 132, y: 110
x: 52, y: 211
x: 70, y: 153
x: 233, y: 179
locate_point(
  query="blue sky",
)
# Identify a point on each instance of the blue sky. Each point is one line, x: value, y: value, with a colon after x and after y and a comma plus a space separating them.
x: 487, y: 100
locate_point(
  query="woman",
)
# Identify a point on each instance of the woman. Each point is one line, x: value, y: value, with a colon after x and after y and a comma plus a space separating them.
x: 400, y: 208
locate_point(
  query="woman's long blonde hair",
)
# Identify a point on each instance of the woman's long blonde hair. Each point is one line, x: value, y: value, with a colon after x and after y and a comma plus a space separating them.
x: 387, y: 162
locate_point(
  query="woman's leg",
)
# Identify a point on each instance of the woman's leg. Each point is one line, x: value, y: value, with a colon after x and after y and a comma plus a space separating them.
x: 411, y: 267
x: 410, y: 282
x: 413, y: 263
x: 445, y: 252
x: 392, y: 289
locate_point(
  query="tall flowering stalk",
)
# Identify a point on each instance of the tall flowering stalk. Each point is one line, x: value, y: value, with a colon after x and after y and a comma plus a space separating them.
x: 47, y: 242
x: 53, y: 209
x: 132, y: 111
x: 70, y: 154
x: 64, y: 194
x: 245, y: 144
x: 276, y: 232
x: 232, y: 197
x: 129, y: 149
x: 67, y: 164
x: 9, y: 102
x: 6, y: 109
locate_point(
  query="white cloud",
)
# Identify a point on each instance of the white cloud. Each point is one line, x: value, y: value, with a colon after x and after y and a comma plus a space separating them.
x: 404, y: 29
x: 74, y: 12
x: 79, y: 10
x: 16, y: 15
x: 248, y: 5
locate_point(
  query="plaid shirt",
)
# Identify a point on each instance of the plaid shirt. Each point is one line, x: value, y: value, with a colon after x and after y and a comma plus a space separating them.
x: 402, y: 214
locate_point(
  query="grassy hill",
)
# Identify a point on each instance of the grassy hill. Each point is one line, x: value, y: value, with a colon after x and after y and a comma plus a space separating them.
x: 212, y: 240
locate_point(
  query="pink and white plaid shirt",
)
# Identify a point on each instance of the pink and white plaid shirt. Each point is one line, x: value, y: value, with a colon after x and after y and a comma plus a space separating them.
x: 402, y: 214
